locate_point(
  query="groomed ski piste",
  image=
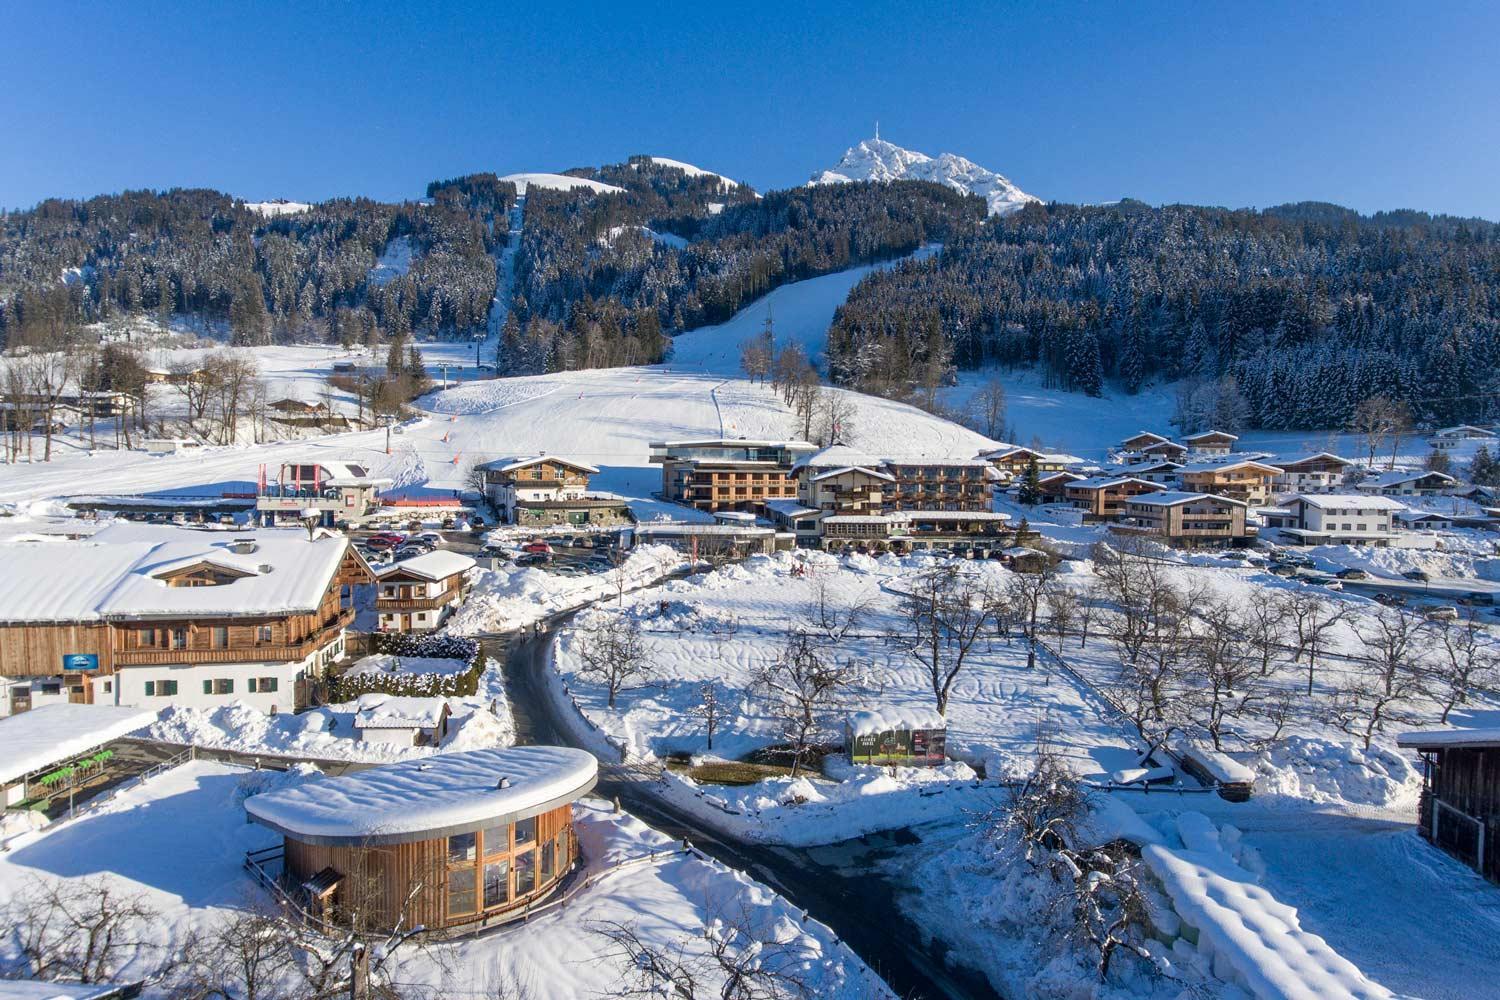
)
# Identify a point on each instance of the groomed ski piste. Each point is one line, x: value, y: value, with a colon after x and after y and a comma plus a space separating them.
x: 605, y: 417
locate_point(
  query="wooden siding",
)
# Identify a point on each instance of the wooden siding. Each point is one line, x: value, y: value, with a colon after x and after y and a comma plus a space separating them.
x: 383, y: 877
x: 26, y: 650
x: 1468, y: 780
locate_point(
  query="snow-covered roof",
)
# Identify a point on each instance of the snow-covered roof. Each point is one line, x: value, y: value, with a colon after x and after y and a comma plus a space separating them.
x: 429, y: 797
x: 868, y: 470
x: 837, y: 456
x: 1463, y: 430
x: 436, y: 565
x: 1399, y: 477
x: 512, y: 463
x: 1423, y: 738
x: 789, y: 508
x: 955, y: 515
x: 735, y: 443
x: 1163, y: 446
x: 1158, y: 438
x: 1211, y: 434
x: 1172, y: 498
x: 862, y: 518
x: 1218, y: 765
x: 1326, y: 501
x: 51, y: 734
x: 1222, y: 466
x: 880, y: 720
x: 1103, y: 482
x: 1410, y: 516
x: 117, y: 573
x: 385, y: 711
x: 1317, y: 456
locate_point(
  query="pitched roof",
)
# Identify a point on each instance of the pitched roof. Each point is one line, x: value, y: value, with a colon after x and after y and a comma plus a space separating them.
x: 1102, y: 482
x: 1172, y: 498
x: 1325, y: 501
x: 1395, y: 477
x: 436, y: 565
x: 1196, y: 467
x: 514, y: 462
x: 117, y: 573
x: 1208, y: 434
x: 1287, y: 463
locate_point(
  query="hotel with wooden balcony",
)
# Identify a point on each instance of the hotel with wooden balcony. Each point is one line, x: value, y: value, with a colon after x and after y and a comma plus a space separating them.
x: 727, y: 473
x: 152, y: 616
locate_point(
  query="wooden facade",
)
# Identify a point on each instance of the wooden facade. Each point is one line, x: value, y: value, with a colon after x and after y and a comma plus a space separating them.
x: 1459, y: 810
x: 451, y: 881
x: 37, y: 649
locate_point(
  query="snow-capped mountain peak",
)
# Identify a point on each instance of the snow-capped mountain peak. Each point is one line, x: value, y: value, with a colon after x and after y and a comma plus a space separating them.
x: 879, y: 159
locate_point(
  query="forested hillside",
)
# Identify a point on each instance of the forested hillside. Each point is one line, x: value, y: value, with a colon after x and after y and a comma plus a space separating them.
x: 301, y: 276
x: 600, y: 276
x: 1284, y: 318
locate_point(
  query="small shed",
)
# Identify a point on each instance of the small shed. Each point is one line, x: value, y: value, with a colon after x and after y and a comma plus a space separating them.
x: 911, y: 737
x: 1024, y: 559
x: 1459, y: 810
x: 1234, y: 780
x: 396, y: 720
x: 169, y: 446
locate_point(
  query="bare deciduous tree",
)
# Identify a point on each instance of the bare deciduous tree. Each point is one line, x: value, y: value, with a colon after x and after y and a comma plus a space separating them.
x: 1311, y: 616
x: 712, y: 708
x: 1382, y: 685
x: 85, y: 930
x: 1466, y: 664
x: 945, y: 614
x: 612, y: 649
x: 802, y: 686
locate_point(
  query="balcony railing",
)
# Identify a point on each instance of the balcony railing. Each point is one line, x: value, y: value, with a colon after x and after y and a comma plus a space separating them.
x: 235, y: 654
x: 418, y: 603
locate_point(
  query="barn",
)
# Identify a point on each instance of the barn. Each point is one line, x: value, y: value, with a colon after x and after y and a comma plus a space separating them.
x: 1459, y: 810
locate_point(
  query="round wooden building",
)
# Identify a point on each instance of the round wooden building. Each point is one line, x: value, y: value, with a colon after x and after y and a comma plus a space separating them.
x: 444, y: 841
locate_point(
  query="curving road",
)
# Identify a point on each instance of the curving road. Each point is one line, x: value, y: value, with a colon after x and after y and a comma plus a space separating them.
x: 864, y: 909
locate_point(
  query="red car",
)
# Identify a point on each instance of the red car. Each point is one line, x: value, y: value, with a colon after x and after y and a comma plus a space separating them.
x: 537, y: 547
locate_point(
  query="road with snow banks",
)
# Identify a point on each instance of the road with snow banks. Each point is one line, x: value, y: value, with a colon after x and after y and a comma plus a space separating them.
x: 865, y: 910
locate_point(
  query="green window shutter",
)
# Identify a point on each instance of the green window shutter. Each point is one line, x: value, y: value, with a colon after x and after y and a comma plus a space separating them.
x: 150, y: 689
x: 208, y: 687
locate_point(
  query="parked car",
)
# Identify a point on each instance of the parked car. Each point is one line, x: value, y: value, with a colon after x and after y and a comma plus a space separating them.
x: 537, y: 547
x: 1442, y: 613
x: 478, y: 522
x: 534, y: 559
x: 412, y: 551
x: 380, y: 558
x: 1416, y: 574
x: 430, y: 538
x: 1352, y: 573
x: 582, y: 542
x: 1234, y: 554
x: 377, y: 544
x: 569, y: 569
x: 1391, y: 600
x: 1284, y: 569
x: 413, y: 525
x: 1332, y: 584
x: 449, y: 524
x: 1480, y: 597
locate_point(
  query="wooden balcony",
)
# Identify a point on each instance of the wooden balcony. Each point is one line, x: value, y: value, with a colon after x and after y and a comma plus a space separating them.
x: 419, y: 603
x: 267, y: 652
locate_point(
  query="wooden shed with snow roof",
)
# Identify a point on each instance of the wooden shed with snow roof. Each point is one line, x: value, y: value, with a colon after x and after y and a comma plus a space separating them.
x: 1459, y: 810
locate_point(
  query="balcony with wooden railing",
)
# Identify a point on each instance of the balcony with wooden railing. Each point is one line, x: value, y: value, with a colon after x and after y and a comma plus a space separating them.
x: 252, y: 653
x: 448, y: 596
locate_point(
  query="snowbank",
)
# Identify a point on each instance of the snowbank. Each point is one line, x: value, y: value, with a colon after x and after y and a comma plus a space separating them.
x: 507, y: 599
x: 1320, y: 771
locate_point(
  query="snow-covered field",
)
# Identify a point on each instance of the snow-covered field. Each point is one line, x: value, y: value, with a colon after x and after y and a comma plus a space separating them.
x: 178, y: 841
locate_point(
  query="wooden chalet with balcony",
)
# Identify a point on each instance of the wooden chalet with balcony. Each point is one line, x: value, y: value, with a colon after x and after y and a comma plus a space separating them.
x: 153, y: 616
x: 1319, y: 472
x: 1246, y: 480
x: 1012, y: 463
x: 1210, y: 444
x: 1103, y: 498
x: 416, y: 594
x: 1185, y: 519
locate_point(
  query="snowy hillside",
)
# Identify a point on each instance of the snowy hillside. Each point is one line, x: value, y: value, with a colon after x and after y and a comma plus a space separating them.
x: 879, y: 160
x: 692, y: 171
x: 558, y: 182
x: 280, y: 206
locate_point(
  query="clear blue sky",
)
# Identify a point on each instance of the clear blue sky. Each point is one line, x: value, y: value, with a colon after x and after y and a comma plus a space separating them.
x: 1372, y: 105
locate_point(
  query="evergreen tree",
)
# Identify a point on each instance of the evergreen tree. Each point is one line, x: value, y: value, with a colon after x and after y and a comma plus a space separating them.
x: 1484, y: 470
x: 1030, y: 490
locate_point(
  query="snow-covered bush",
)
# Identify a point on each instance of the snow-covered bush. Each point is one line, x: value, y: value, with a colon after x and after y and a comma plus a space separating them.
x: 421, y: 685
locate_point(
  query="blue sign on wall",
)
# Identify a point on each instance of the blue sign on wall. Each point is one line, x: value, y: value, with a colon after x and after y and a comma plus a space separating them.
x: 78, y: 662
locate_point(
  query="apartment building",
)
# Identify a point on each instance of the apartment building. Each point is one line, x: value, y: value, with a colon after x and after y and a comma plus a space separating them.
x: 728, y: 473
x: 1185, y: 519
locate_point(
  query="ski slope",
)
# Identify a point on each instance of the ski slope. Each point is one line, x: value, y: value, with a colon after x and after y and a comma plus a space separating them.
x: 606, y: 417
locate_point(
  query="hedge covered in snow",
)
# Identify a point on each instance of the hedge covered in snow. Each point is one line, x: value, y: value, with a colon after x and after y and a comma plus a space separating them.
x: 429, y: 685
